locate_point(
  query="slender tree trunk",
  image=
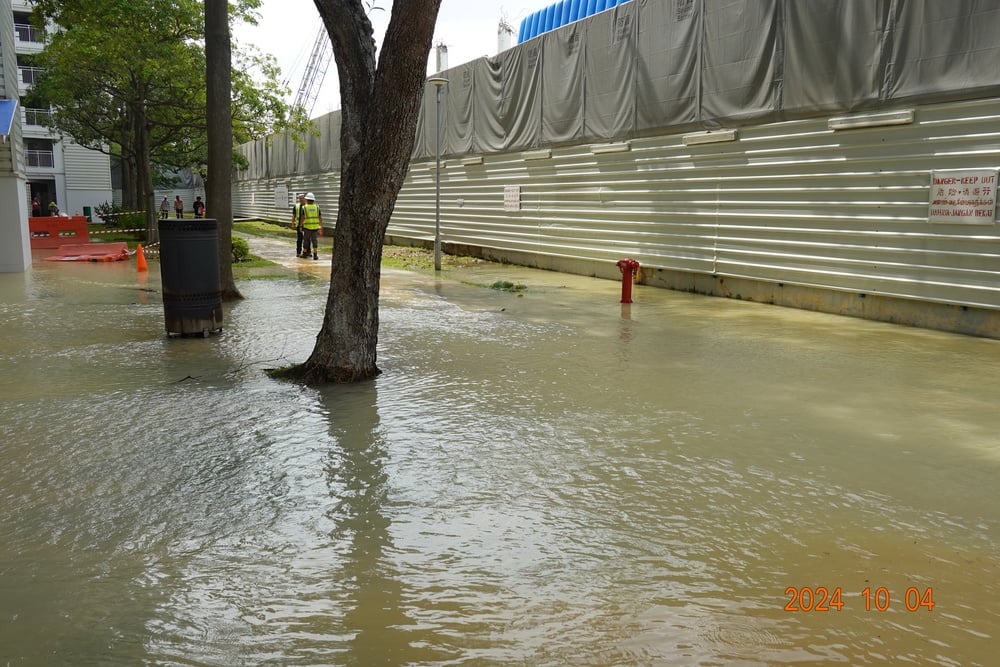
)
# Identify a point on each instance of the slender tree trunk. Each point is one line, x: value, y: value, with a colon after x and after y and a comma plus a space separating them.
x: 144, y: 172
x: 380, y: 106
x: 128, y: 183
x: 130, y: 197
x: 219, y: 114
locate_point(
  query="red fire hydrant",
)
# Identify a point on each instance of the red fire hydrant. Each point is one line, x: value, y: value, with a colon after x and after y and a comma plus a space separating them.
x: 629, y: 268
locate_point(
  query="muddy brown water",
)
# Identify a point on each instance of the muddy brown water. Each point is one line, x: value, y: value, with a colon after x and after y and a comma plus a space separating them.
x: 544, y: 478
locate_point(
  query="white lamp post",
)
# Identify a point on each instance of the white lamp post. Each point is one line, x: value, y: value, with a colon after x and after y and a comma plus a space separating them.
x: 438, y: 83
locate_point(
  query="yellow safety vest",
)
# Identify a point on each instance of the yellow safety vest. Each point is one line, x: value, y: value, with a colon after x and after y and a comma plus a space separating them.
x: 311, y: 220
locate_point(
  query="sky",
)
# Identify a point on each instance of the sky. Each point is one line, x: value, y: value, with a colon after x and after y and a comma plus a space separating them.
x: 287, y: 30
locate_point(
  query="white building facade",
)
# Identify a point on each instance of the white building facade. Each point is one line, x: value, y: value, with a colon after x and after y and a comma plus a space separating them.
x: 49, y: 167
x: 15, y: 250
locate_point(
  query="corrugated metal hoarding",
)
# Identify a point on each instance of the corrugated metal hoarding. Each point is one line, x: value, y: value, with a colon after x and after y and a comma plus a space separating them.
x: 816, y: 177
x: 793, y: 202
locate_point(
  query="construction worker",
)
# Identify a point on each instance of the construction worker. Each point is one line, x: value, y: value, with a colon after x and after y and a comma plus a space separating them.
x: 297, y: 215
x: 312, y: 222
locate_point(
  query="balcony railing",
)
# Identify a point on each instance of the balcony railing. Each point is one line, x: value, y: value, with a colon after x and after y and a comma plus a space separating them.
x: 40, y: 158
x: 40, y: 117
x: 29, y: 33
x: 29, y: 74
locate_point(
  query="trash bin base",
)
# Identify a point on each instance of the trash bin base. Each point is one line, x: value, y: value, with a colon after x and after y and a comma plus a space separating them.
x: 193, y: 314
x: 189, y: 326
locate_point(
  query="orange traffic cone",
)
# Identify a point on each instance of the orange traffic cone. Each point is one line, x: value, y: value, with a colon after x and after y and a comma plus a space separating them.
x: 140, y: 259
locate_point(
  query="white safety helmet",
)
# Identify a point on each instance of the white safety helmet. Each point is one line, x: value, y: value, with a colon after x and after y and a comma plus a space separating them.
x: 310, y: 196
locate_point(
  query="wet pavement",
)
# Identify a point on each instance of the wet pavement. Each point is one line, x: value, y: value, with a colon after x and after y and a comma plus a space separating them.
x: 543, y: 478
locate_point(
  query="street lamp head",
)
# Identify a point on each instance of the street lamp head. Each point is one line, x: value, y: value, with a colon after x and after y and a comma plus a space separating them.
x: 437, y: 81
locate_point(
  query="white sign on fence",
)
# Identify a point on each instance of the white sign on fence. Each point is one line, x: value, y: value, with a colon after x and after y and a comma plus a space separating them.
x: 964, y: 197
x: 512, y: 198
x: 281, y: 196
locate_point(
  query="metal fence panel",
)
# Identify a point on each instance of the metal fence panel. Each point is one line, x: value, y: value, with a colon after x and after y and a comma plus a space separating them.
x: 789, y: 202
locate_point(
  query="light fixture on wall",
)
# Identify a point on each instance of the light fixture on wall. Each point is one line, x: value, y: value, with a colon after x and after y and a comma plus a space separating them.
x: 854, y: 121
x: 709, y: 137
x: 618, y: 147
x: 540, y: 154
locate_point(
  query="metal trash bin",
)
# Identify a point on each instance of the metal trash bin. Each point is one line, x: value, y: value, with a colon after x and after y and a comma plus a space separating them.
x: 189, y: 270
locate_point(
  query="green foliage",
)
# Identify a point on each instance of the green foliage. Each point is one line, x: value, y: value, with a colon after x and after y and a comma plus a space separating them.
x: 116, y: 66
x: 103, y: 211
x: 507, y: 286
x: 115, y: 217
x: 241, y: 249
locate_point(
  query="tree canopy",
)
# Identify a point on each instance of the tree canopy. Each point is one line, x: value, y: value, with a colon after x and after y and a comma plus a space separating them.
x: 128, y: 77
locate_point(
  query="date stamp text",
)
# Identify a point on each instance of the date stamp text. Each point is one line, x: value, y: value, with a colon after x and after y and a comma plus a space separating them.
x: 821, y: 598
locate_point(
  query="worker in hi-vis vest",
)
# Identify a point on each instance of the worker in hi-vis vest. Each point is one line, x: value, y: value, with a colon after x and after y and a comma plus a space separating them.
x: 297, y: 221
x: 312, y: 221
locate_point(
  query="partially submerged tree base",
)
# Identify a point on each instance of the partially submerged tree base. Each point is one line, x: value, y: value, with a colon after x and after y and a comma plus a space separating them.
x: 232, y: 295
x: 380, y: 104
x: 316, y: 374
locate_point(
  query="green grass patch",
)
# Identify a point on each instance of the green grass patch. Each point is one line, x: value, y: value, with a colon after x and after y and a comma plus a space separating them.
x: 262, y: 228
x: 105, y: 234
x: 499, y: 285
x: 507, y: 286
x: 409, y: 258
x: 412, y: 258
x: 253, y: 262
x: 258, y: 268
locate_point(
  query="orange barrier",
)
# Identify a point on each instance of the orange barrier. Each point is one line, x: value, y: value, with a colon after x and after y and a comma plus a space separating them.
x: 54, y: 231
x: 91, y: 252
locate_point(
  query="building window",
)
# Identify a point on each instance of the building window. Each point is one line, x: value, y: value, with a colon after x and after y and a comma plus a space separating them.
x: 38, y: 117
x: 29, y: 33
x: 29, y: 74
x: 40, y: 158
x: 39, y: 153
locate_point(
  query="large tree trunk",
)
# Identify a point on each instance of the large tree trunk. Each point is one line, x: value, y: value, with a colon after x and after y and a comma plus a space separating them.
x: 219, y: 113
x: 379, y: 111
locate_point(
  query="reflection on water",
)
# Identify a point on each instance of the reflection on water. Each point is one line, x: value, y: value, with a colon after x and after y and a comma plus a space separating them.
x: 546, y: 479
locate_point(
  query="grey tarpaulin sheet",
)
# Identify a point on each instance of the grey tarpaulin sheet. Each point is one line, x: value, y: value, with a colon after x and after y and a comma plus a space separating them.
x: 611, y: 51
x: 939, y: 49
x: 662, y: 66
x: 741, y: 63
x: 843, y: 41
x: 666, y: 55
x: 563, y: 67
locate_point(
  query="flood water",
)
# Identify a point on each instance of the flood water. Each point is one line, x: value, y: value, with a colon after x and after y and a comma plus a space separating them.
x: 543, y: 479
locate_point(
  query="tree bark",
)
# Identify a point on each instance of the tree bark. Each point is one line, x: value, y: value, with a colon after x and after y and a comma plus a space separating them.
x: 128, y: 182
x: 130, y: 187
x: 144, y: 171
x: 380, y: 105
x: 219, y: 114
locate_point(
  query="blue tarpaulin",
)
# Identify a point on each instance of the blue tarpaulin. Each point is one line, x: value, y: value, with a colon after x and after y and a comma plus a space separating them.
x: 7, y: 110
